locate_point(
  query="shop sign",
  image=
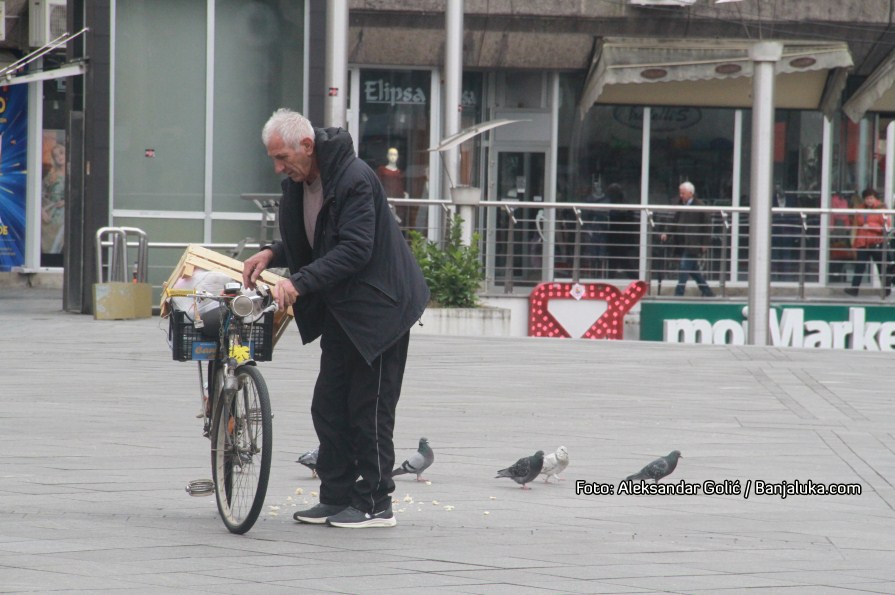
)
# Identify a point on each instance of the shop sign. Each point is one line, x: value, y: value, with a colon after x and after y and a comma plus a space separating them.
x: 813, y: 327
x: 581, y: 310
x: 662, y: 119
x: 383, y: 91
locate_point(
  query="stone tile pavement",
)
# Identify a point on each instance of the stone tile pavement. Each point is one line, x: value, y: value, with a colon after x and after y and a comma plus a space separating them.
x: 98, y: 438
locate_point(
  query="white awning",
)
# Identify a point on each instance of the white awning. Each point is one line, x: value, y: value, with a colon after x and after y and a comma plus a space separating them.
x: 877, y: 94
x: 711, y: 73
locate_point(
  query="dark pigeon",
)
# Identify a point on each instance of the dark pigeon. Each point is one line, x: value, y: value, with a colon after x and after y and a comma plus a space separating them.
x: 525, y: 469
x: 658, y: 469
x: 309, y: 460
x: 421, y: 460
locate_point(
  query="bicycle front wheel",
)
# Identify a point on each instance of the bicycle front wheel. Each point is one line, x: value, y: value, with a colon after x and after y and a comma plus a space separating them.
x: 242, y: 442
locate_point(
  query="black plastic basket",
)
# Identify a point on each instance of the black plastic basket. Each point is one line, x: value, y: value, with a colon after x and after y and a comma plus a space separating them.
x: 183, y: 336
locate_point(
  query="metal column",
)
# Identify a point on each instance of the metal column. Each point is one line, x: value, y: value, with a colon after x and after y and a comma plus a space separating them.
x: 764, y: 55
x: 334, y: 107
x: 453, y: 88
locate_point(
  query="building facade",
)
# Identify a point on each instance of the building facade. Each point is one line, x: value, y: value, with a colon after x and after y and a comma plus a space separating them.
x: 162, y: 128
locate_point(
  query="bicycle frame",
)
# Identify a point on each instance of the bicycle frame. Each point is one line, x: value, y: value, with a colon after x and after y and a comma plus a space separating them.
x: 235, y: 401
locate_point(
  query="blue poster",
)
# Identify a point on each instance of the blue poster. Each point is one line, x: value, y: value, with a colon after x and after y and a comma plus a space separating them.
x: 13, y: 171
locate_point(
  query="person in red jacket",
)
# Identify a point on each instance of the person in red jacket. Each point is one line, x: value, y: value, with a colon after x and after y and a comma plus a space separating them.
x: 870, y: 237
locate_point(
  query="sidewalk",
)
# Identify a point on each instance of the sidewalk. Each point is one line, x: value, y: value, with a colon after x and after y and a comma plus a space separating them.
x: 99, y: 438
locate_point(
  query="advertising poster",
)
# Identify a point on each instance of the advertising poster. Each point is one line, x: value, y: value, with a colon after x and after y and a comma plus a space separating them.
x: 13, y: 170
x: 52, y: 194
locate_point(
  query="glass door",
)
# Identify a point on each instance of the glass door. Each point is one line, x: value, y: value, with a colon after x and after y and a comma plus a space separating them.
x: 518, y: 246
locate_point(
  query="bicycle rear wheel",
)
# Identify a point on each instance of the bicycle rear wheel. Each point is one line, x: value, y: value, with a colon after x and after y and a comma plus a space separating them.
x: 242, y: 443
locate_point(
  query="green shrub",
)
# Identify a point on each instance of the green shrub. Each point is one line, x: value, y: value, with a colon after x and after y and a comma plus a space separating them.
x: 452, y: 272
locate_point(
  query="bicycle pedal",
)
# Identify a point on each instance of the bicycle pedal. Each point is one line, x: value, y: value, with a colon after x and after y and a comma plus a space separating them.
x: 200, y: 487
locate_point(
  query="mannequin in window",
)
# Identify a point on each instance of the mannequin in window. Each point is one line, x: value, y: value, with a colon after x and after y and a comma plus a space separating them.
x: 391, y: 177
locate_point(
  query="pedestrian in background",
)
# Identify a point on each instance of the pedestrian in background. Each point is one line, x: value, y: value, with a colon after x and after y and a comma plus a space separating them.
x: 690, y: 231
x: 870, y: 235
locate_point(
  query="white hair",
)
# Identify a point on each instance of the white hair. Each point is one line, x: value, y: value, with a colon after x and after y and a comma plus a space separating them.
x: 688, y: 186
x: 291, y: 126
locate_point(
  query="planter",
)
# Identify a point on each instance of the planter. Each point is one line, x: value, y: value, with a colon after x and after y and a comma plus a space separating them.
x: 465, y: 322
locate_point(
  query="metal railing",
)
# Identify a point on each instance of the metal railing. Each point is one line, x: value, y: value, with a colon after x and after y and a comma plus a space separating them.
x: 525, y: 243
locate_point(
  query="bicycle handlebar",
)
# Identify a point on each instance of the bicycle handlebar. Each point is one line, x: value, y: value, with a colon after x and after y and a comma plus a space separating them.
x: 231, y: 299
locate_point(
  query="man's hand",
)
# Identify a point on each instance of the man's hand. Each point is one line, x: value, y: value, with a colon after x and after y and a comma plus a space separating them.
x: 254, y: 266
x: 285, y: 294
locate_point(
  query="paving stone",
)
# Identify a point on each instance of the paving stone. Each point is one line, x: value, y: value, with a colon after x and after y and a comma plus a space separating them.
x: 98, y: 438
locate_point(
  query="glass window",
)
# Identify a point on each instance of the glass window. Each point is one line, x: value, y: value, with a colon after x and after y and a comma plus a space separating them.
x: 599, y: 159
x: 159, y: 127
x: 604, y: 147
x: 394, y: 129
x: 691, y: 144
x: 394, y: 133
x: 258, y: 68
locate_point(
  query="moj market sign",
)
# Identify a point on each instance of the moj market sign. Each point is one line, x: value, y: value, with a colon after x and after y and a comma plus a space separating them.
x: 869, y: 328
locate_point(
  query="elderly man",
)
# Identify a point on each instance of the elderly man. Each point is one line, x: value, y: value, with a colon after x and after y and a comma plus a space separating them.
x: 690, y: 232
x: 354, y: 283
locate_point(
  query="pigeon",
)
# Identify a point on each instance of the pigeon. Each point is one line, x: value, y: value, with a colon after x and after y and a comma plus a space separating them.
x: 555, y: 463
x: 525, y: 469
x: 418, y: 462
x: 657, y: 469
x: 309, y: 460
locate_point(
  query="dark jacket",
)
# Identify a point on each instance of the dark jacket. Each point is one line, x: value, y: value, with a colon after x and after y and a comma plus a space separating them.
x: 361, y: 268
x: 690, y: 230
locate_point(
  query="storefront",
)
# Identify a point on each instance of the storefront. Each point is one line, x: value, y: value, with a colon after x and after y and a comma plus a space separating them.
x: 585, y: 133
x: 191, y: 84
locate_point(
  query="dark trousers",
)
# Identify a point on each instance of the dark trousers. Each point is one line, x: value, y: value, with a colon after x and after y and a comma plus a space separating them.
x: 864, y: 257
x: 690, y: 268
x: 354, y: 416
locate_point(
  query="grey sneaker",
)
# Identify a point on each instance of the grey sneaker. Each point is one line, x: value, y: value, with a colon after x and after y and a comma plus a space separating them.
x: 353, y: 518
x: 317, y: 514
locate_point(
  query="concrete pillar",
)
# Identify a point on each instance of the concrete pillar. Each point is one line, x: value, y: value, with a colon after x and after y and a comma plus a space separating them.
x: 334, y: 107
x: 764, y: 55
x: 453, y: 89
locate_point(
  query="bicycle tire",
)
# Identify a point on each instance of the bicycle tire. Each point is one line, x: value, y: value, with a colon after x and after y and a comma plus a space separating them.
x: 240, y: 457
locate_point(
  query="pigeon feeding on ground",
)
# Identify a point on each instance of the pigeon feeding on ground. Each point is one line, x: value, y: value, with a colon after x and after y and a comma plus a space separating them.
x: 657, y: 469
x: 555, y: 463
x: 309, y: 460
x: 418, y: 462
x: 525, y: 469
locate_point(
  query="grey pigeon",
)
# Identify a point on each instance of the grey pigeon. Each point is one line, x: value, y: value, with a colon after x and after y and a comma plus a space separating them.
x: 309, y: 460
x: 555, y: 463
x: 525, y: 469
x: 657, y: 469
x: 418, y: 462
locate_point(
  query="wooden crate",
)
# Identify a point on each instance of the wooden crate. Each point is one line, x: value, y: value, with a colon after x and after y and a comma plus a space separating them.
x: 198, y: 258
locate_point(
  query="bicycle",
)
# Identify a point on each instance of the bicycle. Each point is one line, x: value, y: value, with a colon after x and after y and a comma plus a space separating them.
x: 235, y: 399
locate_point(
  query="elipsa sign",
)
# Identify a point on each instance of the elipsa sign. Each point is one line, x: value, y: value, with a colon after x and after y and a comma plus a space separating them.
x: 859, y: 328
x: 383, y: 91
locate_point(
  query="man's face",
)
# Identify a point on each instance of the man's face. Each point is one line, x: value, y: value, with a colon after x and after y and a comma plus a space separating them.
x: 299, y: 165
x: 685, y: 194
